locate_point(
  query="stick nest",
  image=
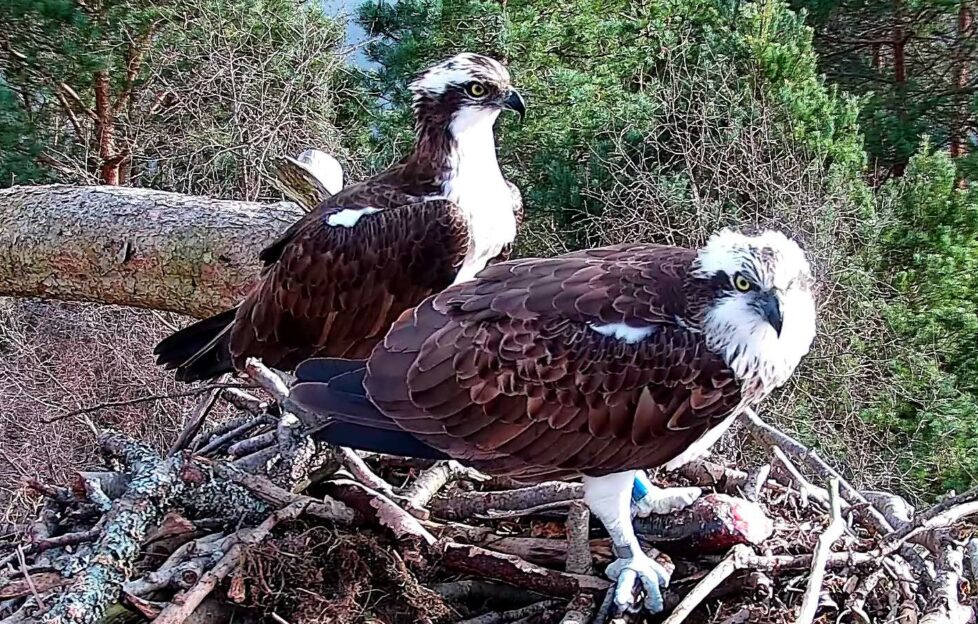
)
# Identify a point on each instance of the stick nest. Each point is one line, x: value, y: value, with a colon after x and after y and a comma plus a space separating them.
x: 253, y: 521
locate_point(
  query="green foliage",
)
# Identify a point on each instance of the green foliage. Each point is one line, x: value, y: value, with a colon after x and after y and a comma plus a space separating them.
x: 183, y: 95
x: 664, y: 120
x: 19, y: 147
x: 601, y: 78
x: 905, y: 60
x: 929, y: 253
x: 657, y: 120
x: 53, y: 50
x: 245, y: 80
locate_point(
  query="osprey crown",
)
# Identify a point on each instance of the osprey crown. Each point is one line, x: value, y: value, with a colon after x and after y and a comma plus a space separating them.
x: 336, y: 280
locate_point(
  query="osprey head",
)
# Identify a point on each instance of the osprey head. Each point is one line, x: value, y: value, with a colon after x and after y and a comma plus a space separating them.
x: 464, y: 90
x: 762, y: 317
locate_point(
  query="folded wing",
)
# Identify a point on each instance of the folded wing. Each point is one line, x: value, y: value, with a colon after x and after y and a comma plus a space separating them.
x: 335, y: 283
x: 580, y: 363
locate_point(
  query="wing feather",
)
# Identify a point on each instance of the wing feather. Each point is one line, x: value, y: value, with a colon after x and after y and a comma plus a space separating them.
x: 506, y: 372
x: 333, y: 290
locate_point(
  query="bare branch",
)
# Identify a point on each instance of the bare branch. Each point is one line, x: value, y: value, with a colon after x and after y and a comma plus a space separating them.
x: 832, y: 533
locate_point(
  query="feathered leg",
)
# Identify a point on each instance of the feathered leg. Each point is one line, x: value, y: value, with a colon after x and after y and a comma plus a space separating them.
x: 650, y: 499
x: 609, y: 498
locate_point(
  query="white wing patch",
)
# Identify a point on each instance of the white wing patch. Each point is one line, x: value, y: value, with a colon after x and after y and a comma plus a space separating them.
x: 624, y: 332
x: 348, y: 217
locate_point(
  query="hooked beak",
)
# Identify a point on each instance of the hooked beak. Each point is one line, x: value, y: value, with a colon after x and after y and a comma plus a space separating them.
x: 514, y: 102
x: 769, y: 306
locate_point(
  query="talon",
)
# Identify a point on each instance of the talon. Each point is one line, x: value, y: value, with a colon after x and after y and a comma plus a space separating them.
x: 639, y: 569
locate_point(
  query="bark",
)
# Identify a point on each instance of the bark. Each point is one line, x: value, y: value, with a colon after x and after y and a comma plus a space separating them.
x: 465, y: 559
x: 179, y: 611
x: 153, y: 487
x: 899, y: 75
x: 109, y: 159
x: 133, y: 247
x: 959, y: 128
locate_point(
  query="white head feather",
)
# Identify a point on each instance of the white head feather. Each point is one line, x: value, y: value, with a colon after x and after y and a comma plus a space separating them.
x: 777, y: 266
x: 457, y: 70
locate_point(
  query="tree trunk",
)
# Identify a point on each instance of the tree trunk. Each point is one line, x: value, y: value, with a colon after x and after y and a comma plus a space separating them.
x: 899, y: 78
x: 959, y: 127
x: 109, y: 160
x: 133, y: 247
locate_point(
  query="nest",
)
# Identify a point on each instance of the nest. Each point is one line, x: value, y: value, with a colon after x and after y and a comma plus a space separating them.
x: 254, y: 521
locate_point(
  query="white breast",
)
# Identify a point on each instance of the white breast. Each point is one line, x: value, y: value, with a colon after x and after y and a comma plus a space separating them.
x: 477, y: 186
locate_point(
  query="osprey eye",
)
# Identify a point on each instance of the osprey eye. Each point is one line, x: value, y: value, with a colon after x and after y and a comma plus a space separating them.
x: 741, y: 283
x: 476, y: 89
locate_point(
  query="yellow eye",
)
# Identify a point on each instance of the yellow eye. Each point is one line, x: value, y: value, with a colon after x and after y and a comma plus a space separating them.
x: 476, y: 89
x: 741, y: 283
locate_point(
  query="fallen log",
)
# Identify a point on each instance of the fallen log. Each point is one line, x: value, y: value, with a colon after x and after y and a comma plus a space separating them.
x: 133, y: 247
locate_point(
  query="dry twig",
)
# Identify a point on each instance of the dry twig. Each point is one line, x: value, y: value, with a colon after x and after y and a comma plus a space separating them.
x: 832, y: 533
x: 736, y: 560
x: 177, y: 613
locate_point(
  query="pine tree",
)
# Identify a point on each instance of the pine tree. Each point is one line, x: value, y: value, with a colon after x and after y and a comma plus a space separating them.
x: 912, y: 63
x: 184, y: 95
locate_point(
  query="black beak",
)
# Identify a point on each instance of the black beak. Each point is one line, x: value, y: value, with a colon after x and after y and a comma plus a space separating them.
x: 770, y: 308
x: 514, y: 102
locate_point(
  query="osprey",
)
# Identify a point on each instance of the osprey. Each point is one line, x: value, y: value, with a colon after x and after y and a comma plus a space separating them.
x: 336, y: 280
x: 599, y: 363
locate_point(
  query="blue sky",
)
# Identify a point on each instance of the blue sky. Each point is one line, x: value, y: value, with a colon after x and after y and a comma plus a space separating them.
x: 347, y: 9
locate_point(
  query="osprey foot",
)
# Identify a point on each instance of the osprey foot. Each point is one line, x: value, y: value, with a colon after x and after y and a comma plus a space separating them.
x: 628, y: 573
x: 648, y: 499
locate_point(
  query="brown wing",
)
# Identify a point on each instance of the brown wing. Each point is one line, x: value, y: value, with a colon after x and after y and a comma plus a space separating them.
x: 506, y: 371
x: 333, y: 290
x: 383, y: 191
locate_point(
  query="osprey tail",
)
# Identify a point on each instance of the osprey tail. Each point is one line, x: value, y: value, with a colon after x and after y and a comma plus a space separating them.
x: 333, y: 387
x: 200, y: 351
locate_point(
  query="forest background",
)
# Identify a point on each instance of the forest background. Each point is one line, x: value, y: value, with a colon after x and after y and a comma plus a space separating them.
x: 848, y: 123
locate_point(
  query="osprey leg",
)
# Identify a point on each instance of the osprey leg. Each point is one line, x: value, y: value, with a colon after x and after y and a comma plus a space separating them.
x: 609, y: 498
x: 650, y: 499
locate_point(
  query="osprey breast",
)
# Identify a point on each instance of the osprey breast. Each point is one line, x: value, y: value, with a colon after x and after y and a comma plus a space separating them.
x: 476, y: 185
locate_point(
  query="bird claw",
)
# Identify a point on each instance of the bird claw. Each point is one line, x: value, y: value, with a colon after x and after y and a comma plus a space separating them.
x: 628, y: 573
x: 665, y: 501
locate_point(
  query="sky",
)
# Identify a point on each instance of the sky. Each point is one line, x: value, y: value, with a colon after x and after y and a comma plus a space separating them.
x: 347, y: 9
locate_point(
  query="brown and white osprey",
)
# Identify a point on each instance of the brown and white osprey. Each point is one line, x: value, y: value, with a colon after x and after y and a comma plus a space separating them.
x: 336, y: 280
x: 598, y: 363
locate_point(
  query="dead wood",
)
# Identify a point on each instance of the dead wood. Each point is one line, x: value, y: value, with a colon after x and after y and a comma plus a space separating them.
x: 152, y: 488
x: 433, y: 479
x: 736, y: 560
x: 520, y: 546
x: 197, y: 417
x: 944, y: 606
x: 324, y: 508
x: 178, y: 612
x: 219, y: 440
x: 580, y: 610
x: 463, y: 505
x: 505, y: 617
x: 579, y: 557
x: 467, y: 559
x: 833, y: 532
x: 133, y: 247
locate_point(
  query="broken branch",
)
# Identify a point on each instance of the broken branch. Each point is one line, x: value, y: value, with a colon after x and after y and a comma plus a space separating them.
x: 832, y: 533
